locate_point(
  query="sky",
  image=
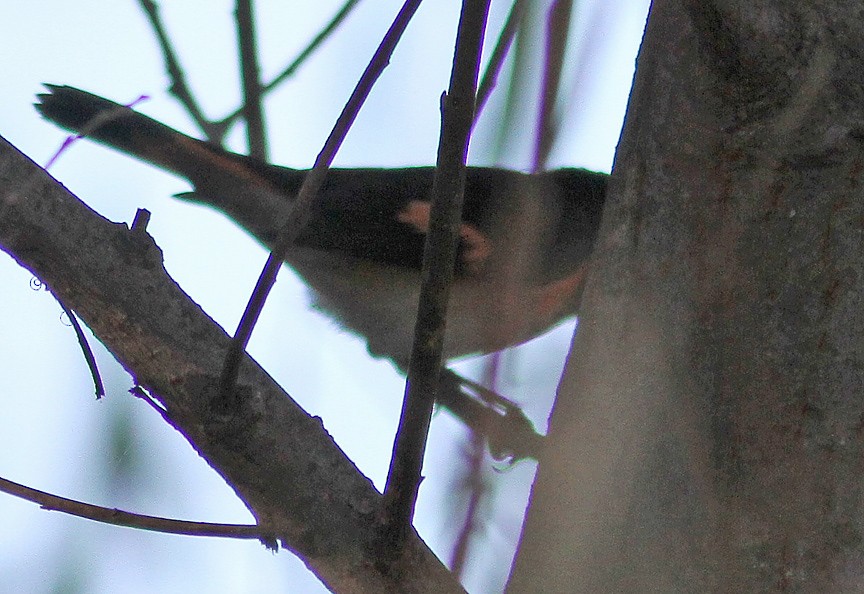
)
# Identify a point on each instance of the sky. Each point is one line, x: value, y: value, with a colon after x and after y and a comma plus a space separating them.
x: 117, y: 452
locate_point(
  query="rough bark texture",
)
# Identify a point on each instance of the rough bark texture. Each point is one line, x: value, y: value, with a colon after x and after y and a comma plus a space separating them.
x: 299, y: 485
x: 709, y: 431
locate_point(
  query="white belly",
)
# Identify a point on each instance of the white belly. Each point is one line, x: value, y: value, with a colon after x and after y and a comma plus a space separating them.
x: 379, y: 303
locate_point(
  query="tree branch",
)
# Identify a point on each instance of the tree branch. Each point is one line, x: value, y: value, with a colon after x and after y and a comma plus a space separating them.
x: 457, y: 106
x: 304, y: 54
x: 499, y: 55
x: 119, y: 517
x: 253, y: 112
x: 214, y: 132
x: 98, y: 386
x: 557, y: 33
x: 296, y: 481
x: 301, y: 208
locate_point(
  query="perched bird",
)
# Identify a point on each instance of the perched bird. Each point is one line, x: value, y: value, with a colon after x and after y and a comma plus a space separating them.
x: 525, y: 239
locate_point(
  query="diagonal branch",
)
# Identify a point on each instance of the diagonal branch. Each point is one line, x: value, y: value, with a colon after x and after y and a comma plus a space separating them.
x: 89, y: 358
x: 279, y: 460
x: 499, y: 55
x: 301, y: 209
x: 179, y: 88
x: 215, y: 130
x: 301, y: 58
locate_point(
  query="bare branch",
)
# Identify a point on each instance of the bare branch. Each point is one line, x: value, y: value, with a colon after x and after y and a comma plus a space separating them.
x: 214, y: 132
x: 253, y: 112
x: 119, y: 517
x: 557, y: 32
x: 301, y: 209
x: 499, y: 54
x: 474, y: 483
x: 298, y: 484
x: 474, y: 480
x: 85, y: 350
x: 301, y: 58
x: 403, y: 479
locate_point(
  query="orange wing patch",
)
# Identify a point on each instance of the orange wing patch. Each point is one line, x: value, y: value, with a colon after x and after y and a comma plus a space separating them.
x: 417, y: 215
x: 477, y: 248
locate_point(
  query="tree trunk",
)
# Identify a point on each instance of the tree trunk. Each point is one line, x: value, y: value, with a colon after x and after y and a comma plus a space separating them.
x: 708, y: 435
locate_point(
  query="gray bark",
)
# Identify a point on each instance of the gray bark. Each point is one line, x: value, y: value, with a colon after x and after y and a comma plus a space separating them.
x: 708, y: 434
x: 302, y: 489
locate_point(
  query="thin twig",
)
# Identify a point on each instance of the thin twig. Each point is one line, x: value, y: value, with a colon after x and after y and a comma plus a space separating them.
x: 558, y: 22
x: 85, y: 349
x: 557, y: 32
x: 474, y: 481
x: 253, y: 112
x: 118, y: 517
x: 313, y: 45
x: 403, y: 479
x: 304, y: 54
x: 213, y: 131
x: 301, y: 209
x: 581, y: 66
x: 499, y: 54
x: 476, y: 487
x: 98, y: 385
x: 520, y: 70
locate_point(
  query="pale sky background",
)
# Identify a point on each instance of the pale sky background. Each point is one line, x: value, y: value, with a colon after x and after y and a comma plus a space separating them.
x: 56, y: 437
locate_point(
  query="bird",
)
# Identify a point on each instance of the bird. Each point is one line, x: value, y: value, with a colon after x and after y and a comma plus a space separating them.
x: 525, y: 239
x: 362, y: 251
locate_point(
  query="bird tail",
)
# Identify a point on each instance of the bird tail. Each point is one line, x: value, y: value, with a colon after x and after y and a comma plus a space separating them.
x: 222, y: 179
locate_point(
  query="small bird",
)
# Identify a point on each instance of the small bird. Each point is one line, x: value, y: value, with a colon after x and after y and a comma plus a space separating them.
x: 525, y: 239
